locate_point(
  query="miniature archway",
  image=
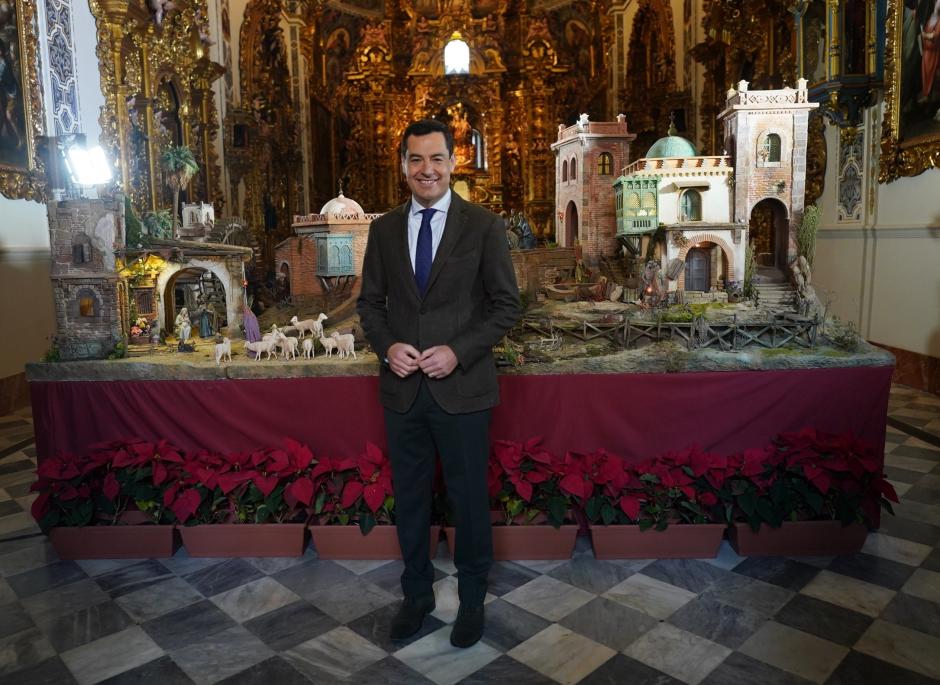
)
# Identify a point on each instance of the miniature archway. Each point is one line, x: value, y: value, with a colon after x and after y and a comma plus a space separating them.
x: 698, y: 240
x: 571, y: 224
x: 769, y: 232
x: 231, y: 285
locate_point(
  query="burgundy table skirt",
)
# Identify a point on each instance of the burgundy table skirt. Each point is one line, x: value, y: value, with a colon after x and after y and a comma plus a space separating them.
x: 634, y: 415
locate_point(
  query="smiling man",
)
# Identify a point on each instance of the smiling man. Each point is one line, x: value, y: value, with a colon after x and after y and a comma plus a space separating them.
x: 438, y: 291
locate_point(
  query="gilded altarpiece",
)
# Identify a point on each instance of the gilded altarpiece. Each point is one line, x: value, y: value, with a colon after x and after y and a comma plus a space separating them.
x: 529, y: 71
x: 156, y: 77
x: 267, y: 158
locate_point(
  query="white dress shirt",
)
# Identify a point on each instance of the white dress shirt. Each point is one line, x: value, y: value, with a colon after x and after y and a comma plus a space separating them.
x: 438, y: 219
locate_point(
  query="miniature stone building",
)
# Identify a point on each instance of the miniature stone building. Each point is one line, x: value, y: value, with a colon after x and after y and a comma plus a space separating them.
x: 588, y: 156
x: 765, y: 136
x: 342, y: 229
x: 198, y: 220
x: 705, y: 203
x: 90, y: 298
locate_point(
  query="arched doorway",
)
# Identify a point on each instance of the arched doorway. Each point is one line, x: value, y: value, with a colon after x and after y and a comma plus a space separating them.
x: 571, y: 224
x: 202, y: 294
x: 769, y: 233
x: 698, y: 270
x: 283, y: 283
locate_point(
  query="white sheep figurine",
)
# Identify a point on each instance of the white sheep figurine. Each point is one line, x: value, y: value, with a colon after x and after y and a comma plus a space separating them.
x: 288, y: 345
x: 272, y: 334
x: 259, y: 346
x: 309, y: 352
x: 329, y: 344
x: 346, y: 344
x: 315, y: 326
x: 223, y: 350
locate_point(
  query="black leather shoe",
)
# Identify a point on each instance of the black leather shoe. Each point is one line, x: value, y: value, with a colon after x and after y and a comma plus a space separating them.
x: 468, y: 628
x: 410, y: 616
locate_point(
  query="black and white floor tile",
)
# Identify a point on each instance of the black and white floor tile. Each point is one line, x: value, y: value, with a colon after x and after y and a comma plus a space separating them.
x: 869, y: 618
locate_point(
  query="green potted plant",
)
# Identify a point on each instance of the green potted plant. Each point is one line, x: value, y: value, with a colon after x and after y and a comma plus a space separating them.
x: 660, y: 508
x: 105, y: 505
x: 531, y: 513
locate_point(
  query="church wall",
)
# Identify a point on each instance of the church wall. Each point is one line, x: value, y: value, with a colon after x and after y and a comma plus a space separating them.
x: 27, y: 304
x: 882, y: 271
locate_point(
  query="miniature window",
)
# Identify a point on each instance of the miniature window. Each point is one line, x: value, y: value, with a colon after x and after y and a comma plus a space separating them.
x: 771, y: 148
x: 81, y: 251
x: 605, y: 164
x: 633, y: 202
x: 574, y: 169
x: 564, y: 170
x: 456, y: 57
x: 691, y: 207
x: 86, y: 306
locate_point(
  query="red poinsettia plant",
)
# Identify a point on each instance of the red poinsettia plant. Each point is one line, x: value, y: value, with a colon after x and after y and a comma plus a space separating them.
x: 274, y: 485
x: 118, y: 482
x: 524, y: 485
x: 652, y: 493
x: 805, y: 476
x: 356, y: 491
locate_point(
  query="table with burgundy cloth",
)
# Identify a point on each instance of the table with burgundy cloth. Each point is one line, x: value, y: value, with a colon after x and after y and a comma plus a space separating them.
x: 636, y: 415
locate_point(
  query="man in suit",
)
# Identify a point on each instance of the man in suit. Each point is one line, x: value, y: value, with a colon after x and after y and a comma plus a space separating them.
x: 438, y: 291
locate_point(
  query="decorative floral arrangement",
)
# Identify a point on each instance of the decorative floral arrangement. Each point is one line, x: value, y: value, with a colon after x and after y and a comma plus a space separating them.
x: 652, y: 494
x: 807, y: 475
x: 524, y: 484
x: 141, y: 327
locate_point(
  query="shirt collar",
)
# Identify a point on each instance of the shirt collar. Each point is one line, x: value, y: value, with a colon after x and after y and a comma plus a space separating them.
x: 441, y: 205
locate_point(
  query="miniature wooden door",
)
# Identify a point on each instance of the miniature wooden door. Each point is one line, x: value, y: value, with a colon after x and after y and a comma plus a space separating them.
x: 697, y: 276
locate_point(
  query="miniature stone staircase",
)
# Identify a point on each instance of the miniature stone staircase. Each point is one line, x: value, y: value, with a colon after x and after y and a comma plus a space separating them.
x: 776, y: 295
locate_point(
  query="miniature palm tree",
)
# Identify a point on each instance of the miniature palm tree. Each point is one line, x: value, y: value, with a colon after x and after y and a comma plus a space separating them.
x: 180, y: 166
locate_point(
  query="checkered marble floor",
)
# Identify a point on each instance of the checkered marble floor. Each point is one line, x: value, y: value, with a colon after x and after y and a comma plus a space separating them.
x: 869, y: 618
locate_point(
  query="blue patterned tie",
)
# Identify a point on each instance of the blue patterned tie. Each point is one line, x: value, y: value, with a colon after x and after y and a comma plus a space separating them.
x: 423, y: 251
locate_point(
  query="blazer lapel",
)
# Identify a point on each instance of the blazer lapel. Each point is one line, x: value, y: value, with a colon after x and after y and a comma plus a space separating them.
x: 401, y: 243
x: 452, y: 230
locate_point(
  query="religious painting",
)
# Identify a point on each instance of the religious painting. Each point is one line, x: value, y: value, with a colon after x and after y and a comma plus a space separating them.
x: 911, y: 130
x: 20, y: 115
x: 337, y: 54
x: 579, y: 41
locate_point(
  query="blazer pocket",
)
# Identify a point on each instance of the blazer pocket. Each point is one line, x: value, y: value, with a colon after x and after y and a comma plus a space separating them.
x: 479, y: 380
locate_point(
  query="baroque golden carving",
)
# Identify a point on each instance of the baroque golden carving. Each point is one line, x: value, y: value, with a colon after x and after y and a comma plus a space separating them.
x: 816, y: 157
x: 157, y: 85
x: 901, y: 155
x: 21, y: 176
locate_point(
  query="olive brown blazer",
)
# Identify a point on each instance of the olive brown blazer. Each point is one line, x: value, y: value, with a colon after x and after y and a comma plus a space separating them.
x: 471, y: 301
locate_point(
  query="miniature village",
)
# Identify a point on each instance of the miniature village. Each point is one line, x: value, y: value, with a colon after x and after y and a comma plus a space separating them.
x: 658, y: 265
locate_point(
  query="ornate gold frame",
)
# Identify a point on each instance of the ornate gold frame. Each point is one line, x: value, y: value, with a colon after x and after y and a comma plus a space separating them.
x: 900, y: 157
x: 27, y: 182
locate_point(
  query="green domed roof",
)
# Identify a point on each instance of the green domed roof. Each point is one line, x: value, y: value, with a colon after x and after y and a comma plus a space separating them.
x: 672, y: 146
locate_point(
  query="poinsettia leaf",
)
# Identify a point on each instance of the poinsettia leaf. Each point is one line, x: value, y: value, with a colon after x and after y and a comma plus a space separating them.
x: 40, y: 506
x: 301, y: 490
x: 351, y: 492
x: 575, y: 485
x: 630, y: 505
x: 265, y: 484
x: 231, y: 480
x: 374, y: 454
x: 184, y: 506
x: 110, y: 487
x: 524, y: 488
x: 159, y: 473
x: 374, y: 496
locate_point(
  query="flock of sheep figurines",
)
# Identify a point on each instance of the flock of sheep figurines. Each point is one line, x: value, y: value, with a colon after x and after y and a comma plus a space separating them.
x: 276, y: 341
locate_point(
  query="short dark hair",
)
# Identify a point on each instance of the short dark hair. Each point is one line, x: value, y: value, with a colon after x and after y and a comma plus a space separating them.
x: 425, y: 127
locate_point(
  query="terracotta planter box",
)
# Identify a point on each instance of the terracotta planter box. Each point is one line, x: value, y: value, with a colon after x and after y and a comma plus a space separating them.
x: 114, y: 542
x: 139, y: 340
x: 527, y: 542
x: 798, y: 538
x: 348, y: 542
x: 678, y: 541
x: 244, y: 539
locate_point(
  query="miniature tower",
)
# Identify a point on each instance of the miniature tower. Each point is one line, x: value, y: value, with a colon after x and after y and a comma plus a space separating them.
x: 90, y: 299
x: 588, y: 158
x: 765, y: 135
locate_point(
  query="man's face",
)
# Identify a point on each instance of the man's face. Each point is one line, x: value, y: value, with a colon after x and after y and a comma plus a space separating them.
x: 427, y: 167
